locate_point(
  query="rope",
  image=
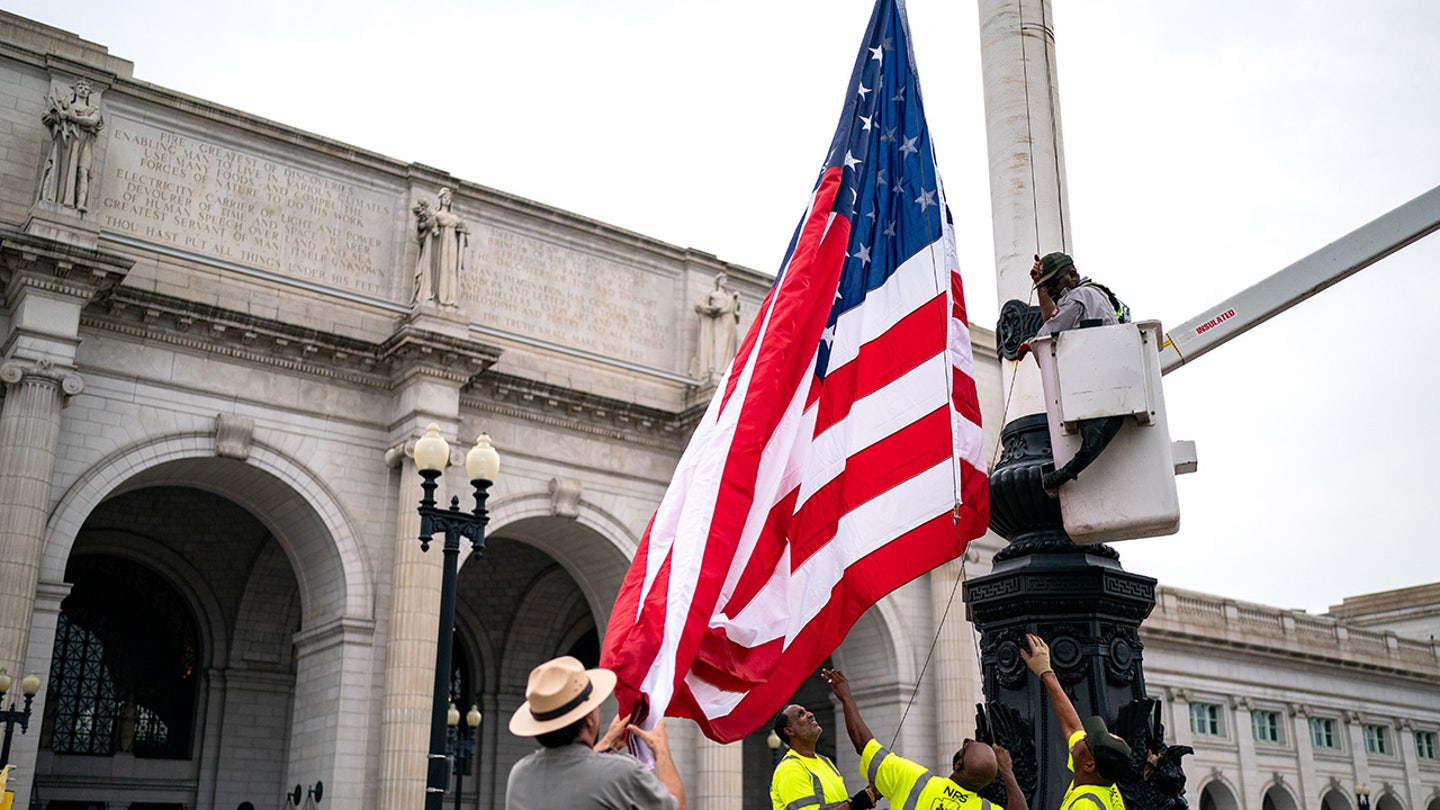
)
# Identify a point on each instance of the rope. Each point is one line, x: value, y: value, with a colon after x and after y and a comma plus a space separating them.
x: 931, y: 652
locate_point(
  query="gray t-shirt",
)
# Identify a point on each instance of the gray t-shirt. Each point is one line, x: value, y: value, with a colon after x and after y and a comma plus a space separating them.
x: 1077, y: 304
x: 574, y: 777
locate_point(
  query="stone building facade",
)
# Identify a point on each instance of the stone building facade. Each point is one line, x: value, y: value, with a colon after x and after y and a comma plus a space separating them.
x: 221, y: 337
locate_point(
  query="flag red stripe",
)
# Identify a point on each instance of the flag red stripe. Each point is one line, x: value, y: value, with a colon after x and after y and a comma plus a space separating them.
x: 795, y: 319
x: 886, y: 569
x: 913, y: 339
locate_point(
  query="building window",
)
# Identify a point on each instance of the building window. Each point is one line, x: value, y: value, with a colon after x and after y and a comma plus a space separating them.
x: 1322, y: 733
x: 1425, y: 744
x: 1265, y: 725
x: 1205, y: 719
x: 1377, y: 739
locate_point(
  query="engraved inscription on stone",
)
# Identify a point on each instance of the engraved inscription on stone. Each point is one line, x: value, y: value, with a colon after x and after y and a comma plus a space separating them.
x: 208, y: 199
x: 542, y: 290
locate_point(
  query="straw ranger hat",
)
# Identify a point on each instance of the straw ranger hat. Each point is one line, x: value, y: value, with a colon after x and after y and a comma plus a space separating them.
x: 559, y: 693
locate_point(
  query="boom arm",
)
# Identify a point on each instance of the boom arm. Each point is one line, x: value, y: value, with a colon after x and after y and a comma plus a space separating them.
x: 1338, y: 260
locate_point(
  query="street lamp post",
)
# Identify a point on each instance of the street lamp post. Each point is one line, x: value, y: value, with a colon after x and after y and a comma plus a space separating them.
x: 28, y: 686
x: 462, y: 744
x: 482, y: 464
x: 1362, y: 797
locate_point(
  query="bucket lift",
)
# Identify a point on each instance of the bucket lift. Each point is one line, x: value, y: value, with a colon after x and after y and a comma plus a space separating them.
x: 1129, y: 490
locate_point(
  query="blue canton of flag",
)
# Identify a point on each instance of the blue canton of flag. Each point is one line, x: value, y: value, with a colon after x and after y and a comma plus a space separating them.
x: 890, y: 190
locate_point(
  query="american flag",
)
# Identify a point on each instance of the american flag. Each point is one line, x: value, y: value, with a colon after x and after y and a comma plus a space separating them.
x: 842, y: 454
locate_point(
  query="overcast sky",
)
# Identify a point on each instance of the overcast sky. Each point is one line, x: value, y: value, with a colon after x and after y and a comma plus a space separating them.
x: 1209, y: 144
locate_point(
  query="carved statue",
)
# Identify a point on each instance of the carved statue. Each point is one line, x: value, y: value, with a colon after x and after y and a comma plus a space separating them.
x: 424, y: 222
x: 443, y: 240
x: 719, y: 316
x: 74, y: 124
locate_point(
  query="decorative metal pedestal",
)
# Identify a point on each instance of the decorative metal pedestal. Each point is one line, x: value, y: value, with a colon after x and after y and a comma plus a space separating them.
x: 1088, y: 609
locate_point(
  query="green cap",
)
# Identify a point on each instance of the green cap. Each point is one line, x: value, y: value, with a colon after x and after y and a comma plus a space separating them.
x: 1051, y: 264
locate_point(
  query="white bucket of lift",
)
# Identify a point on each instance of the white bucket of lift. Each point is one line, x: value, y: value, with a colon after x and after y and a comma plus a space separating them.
x: 1129, y: 490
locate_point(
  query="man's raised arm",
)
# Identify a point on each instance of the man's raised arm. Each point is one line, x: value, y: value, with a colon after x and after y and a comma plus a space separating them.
x: 1037, y: 658
x: 854, y: 724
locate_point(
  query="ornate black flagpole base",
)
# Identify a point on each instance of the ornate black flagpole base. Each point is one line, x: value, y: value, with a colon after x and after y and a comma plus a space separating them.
x: 1088, y: 609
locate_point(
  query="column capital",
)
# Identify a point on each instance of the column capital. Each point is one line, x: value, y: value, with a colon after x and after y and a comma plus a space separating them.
x: 13, y: 372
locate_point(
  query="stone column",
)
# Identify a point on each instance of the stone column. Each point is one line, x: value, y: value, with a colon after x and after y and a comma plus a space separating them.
x: 48, y: 285
x: 1304, y: 753
x: 410, y: 655
x: 718, y: 776
x: 1242, y: 725
x: 1029, y: 204
x: 432, y: 358
x: 29, y: 433
x: 1405, y: 747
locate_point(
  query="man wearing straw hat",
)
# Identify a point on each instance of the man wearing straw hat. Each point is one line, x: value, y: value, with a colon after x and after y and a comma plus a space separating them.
x: 572, y: 770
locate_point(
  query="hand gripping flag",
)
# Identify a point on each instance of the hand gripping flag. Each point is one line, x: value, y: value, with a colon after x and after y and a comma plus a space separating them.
x: 842, y: 454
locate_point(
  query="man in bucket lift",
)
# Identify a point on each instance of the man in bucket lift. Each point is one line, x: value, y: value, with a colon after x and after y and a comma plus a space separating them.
x: 1068, y: 301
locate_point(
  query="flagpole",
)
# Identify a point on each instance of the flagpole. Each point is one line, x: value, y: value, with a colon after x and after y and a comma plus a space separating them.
x: 1077, y: 598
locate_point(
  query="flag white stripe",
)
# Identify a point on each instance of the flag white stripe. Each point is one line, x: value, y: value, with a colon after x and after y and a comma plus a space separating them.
x: 872, y: 418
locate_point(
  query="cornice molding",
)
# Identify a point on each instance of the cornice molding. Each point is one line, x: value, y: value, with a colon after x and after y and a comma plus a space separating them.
x: 579, y: 411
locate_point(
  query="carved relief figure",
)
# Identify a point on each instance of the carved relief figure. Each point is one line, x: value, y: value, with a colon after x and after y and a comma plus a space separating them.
x: 74, y: 124
x: 424, y: 223
x: 443, y: 240
x: 719, y: 316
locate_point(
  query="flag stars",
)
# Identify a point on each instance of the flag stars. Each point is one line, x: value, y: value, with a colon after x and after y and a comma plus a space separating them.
x: 867, y: 121
x: 890, y: 229
x: 926, y: 199
x: 863, y: 254
x: 889, y: 136
x: 881, y: 179
x: 850, y: 160
x: 877, y: 55
x: 899, y: 96
x: 908, y: 147
x: 863, y: 91
x: 828, y: 336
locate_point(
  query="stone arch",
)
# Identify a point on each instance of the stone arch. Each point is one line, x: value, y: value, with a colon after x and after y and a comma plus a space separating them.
x: 479, y: 642
x: 1434, y: 803
x: 873, y: 652
x: 181, y: 575
x: 1216, y: 795
x: 593, y: 548
x: 1389, y: 801
x: 551, y: 597
x: 1278, y: 797
x: 1335, y: 799
x: 260, y: 633
x: 288, y: 498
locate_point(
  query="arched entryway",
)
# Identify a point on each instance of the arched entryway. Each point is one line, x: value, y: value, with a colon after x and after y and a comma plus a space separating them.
x: 1388, y: 801
x: 1217, y: 796
x: 1335, y: 799
x: 1277, y: 797
x: 197, y: 625
x: 178, y: 623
